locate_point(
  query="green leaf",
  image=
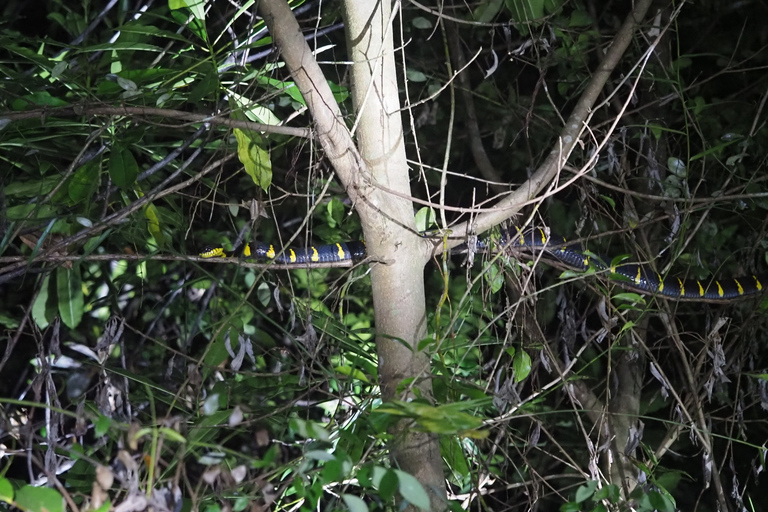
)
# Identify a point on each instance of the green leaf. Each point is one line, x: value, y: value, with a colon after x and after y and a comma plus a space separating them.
x: 207, y: 85
x: 443, y: 419
x: 44, y: 308
x: 453, y: 455
x: 123, y: 168
x: 84, y: 182
x: 255, y: 159
x: 586, y: 491
x: 37, y: 99
x: 69, y: 289
x: 412, y: 490
x: 415, y: 75
x: 580, y: 18
x: 609, y: 200
x: 354, y: 503
x: 609, y: 492
x: 661, y: 502
x: 425, y: 219
x: 39, y: 499
x: 120, y: 45
x: 32, y: 188
x: 385, y: 480
x: 197, y: 7
x: 6, y: 490
x: 494, y: 277
x: 153, y: 225
x: 309, y: 430
x: 334, y: 212
x: 133, y: 27
x: 627, y: 326
x: 340, y: 93
x: 101, y: 427
x: 288, y: 87
x: 522, y: 365
x: 263, y: 294
x: 421, y: 22
x: 487, y: 10
x: 352, y: 372
x: 632, y: 298
x: 526, y: 10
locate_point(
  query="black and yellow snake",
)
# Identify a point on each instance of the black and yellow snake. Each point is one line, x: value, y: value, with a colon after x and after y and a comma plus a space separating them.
x: 636, y: 276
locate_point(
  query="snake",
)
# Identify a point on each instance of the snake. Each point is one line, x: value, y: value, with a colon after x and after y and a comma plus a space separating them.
x: 639, y: 277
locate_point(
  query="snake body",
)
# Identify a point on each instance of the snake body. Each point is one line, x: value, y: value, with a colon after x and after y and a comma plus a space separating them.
x: 636, y: 276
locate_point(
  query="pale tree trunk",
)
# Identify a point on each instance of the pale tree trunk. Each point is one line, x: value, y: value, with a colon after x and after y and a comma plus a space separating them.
x: 398, y: 286
x: 377, y: 182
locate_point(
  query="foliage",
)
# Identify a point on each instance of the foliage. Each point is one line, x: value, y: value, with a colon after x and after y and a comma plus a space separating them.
x: 145, y: 373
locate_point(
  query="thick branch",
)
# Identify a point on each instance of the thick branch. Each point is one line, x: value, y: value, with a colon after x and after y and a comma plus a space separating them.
x: 570, y: 134
x: 331, y: 130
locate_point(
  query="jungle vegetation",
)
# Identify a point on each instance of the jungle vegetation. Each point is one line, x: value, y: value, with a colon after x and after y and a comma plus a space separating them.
x: 444, y: 371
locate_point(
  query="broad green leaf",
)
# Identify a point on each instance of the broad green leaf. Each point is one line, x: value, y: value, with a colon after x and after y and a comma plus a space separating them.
x: 197, y: 7
x: 580, y: 18
x: 309, y: 429
x: 340, y: 93
x: 494, y: 277
x: 522, y: 365
x: 44, y: 308
x: 630, y: 297
x: 153, y: 225
x: 39, y: 499
x: 206, y: 85
x: 37, y: 99
x: 255, y: 159
x: 102, y: 425
x: 487, y: 10
x: 526, y: 10
x: 425, y: 219
x: 69, y: 289
x: 351, y: 372
x: 415, y: 75
x: 32, y: 188
x: 320, y: 455
x: 661, y: 502
x: 584, y: 492
x: 608, y: 492
x: 334, y: 212
x: 123, y: 168
x: 8, y: 321
x: 354, y: 503
x: 263, y: 294
x: 412, y: 490
x: 385, y: 480
x: 84, y: 182
x: 6, y: 490
x: 627, y: 326
x: 288, y: 87
x: 609, y: 200
x: 453, y: 455
x: 23, y: 211
x: 421, y: 22
x: 252, y: 111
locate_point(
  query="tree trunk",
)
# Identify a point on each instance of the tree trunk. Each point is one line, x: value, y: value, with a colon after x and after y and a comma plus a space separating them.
x: 398, y: 285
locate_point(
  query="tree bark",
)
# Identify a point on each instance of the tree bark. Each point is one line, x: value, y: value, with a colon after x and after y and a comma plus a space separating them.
x: 398, y: 287
x: 370, y: 176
